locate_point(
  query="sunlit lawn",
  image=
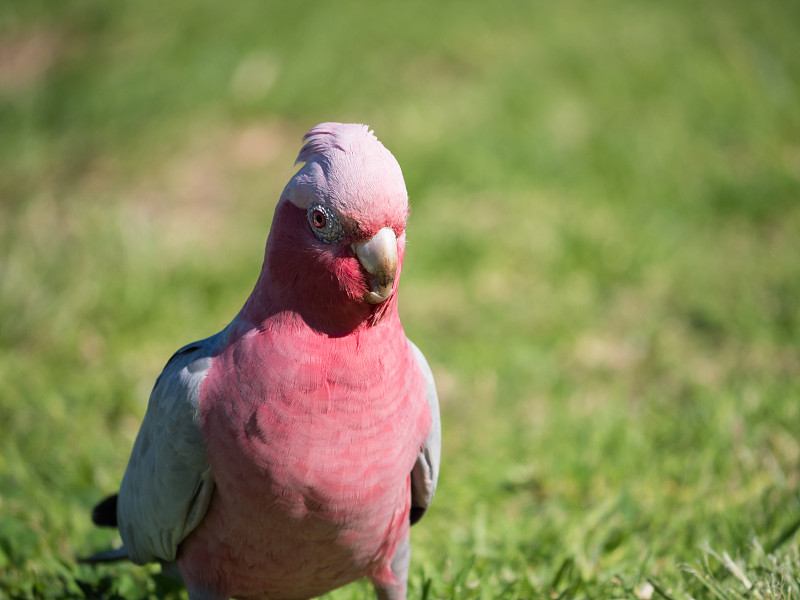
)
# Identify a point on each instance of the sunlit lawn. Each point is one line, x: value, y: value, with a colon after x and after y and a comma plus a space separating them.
x: 603, y: 269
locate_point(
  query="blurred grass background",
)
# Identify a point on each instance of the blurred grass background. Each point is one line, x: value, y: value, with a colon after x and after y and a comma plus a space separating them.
x: 603, y: 269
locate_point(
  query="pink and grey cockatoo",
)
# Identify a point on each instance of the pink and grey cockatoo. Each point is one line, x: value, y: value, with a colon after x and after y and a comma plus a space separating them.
x: 288, y: 454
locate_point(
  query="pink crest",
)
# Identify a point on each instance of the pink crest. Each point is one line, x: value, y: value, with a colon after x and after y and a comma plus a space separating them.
x: 347, y: 168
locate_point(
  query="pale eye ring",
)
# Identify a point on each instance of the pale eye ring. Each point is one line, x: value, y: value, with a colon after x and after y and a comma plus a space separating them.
x: 324, y: 223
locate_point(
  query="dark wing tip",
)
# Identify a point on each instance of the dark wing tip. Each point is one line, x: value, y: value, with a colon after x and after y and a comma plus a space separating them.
x: 105, y: 513
x: 106, y: 556
x: 416, y: 514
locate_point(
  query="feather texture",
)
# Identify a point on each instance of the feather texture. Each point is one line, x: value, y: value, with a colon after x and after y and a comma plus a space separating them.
x: 425, y: 473
x: 164, y: 480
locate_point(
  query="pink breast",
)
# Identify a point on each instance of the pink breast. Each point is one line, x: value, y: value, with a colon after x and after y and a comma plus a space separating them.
x: 311, y: 450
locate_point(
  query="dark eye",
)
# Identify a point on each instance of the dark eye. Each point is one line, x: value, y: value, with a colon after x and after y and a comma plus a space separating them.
x: 318, y: 219
x: 325, y: 224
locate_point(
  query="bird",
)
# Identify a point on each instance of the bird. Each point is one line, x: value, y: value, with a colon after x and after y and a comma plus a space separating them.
x: 288, y: 454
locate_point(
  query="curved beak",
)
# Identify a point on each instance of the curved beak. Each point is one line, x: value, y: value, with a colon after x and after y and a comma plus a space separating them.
x: 378, y: 256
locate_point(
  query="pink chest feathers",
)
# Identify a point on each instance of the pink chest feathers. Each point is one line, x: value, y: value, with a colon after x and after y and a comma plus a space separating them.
x: 311, y: 446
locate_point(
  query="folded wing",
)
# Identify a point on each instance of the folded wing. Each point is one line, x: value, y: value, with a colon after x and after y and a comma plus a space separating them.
x: 167, y: 488
x: 425, y: 473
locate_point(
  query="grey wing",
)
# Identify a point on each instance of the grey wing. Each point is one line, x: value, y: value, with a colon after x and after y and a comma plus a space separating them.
x: 425, y: 473
x: 167, y: 488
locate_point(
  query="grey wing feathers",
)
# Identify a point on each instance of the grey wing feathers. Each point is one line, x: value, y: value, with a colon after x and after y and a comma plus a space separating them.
x: 425, y: 473
x: 166, y: 489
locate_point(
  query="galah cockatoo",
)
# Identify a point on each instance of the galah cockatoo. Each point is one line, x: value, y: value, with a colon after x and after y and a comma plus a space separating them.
x: 288, y: 454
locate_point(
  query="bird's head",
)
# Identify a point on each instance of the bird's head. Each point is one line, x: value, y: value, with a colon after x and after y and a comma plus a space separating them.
x: 337, y: 241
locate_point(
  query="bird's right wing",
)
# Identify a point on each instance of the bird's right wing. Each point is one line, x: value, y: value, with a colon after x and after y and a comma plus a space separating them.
x: 425, y: 473
x: 167, y: 488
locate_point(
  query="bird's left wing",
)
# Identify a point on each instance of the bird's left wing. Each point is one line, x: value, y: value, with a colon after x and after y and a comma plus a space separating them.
x: 425, y: 473
x: 167, y: 488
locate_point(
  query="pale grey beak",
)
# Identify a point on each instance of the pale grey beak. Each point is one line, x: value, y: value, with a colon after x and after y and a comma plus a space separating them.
x: 378, y: 256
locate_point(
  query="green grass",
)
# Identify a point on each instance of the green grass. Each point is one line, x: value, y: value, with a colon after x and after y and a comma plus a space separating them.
x: 603, y: 269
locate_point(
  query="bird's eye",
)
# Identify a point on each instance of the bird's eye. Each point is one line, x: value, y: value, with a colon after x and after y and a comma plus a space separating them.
x: 318, y: 219
x: 325, y: 224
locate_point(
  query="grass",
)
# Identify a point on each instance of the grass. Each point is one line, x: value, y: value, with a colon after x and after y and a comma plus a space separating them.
x: 602, y: 269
